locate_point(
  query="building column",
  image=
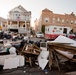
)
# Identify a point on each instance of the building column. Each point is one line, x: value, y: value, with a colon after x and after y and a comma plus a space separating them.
x: 7, y: 22
x: 25, y: 26
x: 10, y: 23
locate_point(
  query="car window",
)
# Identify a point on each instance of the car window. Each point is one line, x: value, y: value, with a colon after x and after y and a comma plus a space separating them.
x: 40, y: 33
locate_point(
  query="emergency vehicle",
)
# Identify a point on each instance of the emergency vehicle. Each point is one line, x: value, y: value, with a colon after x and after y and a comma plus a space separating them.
x: 52, y: 32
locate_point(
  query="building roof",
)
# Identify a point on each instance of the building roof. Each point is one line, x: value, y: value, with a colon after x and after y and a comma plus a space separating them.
x: 3, y: 19
x: 21, y: 8
x: 46, y: 10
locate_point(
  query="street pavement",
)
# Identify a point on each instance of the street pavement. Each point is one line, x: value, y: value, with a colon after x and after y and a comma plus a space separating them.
x: 36, y: 39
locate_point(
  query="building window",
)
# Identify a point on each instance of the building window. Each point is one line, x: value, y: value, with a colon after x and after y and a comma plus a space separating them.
x: 75, y: 21
x: 16, y: 14
x: 48, y: 29
x: 55, y: 28
x: 71, y: 21
x: 46, y: 19
x: 60, y: 28
x: 67, y: 21
x: 16, y: 11
x: 19, y: 14
x: 62, y: 20
x: 58, y: 20
x: 53, y: 20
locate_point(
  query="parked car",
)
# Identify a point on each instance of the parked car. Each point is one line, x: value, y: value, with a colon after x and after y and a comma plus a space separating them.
x: 74, y: 33
x: 72, y: 36
x: 39, y: 34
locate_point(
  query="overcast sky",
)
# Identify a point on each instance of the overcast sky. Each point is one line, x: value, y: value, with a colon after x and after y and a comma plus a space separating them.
x: 36, y: 6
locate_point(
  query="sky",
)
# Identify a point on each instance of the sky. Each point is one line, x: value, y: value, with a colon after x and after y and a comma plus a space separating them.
x: 36, y: 6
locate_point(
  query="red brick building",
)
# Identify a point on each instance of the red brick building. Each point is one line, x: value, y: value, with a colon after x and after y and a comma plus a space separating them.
x: 47, y: 17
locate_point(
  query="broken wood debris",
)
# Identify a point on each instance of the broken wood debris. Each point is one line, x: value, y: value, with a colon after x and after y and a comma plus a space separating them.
x: 31, y: 53
x: 61, y: 47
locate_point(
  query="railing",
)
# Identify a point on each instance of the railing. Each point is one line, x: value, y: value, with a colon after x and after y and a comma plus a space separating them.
x: 13, y: 27
x: 20, y: 29
x: 14, y: 19
x: 16, y: 27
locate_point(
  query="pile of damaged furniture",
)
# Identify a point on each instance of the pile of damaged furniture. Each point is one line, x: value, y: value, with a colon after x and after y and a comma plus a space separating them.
x: 16, y: 53
x: 43, y: 54
x: 61, y: 51
x: 9, y: 58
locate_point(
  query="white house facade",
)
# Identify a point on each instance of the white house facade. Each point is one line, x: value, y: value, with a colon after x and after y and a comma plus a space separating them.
x: 19, y: 19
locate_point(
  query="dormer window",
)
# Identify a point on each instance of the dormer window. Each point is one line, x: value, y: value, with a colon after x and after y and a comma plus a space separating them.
x: 16, y: 11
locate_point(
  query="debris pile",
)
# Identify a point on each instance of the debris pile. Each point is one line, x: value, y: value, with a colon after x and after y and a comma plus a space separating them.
x: 31, y: 52
x: 51, y: 53
x: 61, y: 50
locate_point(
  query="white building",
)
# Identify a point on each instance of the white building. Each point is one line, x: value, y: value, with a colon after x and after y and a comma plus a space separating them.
x: 19, y: 19
x: 3, y: 24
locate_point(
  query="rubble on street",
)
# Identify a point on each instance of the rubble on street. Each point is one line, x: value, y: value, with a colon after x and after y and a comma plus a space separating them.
x: 59, y: 55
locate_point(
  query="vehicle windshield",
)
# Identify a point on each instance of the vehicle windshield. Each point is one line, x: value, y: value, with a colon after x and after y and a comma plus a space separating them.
x: 39, y: 32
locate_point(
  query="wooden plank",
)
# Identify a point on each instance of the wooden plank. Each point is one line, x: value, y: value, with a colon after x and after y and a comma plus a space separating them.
x: 63, y: 47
